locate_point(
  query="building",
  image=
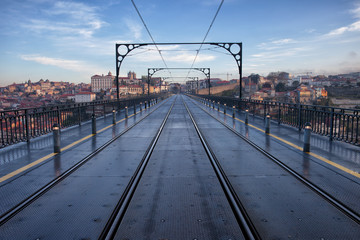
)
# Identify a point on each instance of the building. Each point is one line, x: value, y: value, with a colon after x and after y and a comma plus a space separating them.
x: 85, y: 97
x: 320, y: 92
x: 131, y: 75
x: 99, y: 83
x: 135, y: 89
x: 251, y: 87
x: 303, y: 94
x: 130, y: 89
x: 45, y: 85
x: 67, y: 97
x: 191, y: 86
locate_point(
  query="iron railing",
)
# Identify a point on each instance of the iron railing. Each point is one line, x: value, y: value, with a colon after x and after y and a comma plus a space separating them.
x: 23, y: 124
x: 336, y: 123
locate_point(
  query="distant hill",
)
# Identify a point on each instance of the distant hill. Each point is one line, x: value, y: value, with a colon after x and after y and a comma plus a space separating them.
x: 344, y: 92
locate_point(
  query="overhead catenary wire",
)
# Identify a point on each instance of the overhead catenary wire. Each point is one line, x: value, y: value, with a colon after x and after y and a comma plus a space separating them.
x: 152, y: 39
x: 148, y: 50
x: 211, y: 24
x: 181, y: 50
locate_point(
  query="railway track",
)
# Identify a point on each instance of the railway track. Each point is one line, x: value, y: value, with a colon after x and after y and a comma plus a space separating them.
x: 28, y: 200
x: 240, y: 213
x: 114, y: 221
x: 241, y: 216
x: 318, y: 190
x: 244, y: 221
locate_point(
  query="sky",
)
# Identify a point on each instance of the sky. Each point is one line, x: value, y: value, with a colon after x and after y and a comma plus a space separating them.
x: 74, y: 40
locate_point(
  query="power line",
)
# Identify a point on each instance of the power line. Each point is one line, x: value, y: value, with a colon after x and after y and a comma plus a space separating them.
x: 211, y: 24
x: 147, y: 29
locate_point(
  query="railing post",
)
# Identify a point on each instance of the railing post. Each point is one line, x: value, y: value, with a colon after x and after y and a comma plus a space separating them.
x: 233, y: 115
x: 331, y: 124
x: 279, y: 114
x: 56, y: 137
x: 27, y: 127
x: 134, y: 108
x: 264, y: 109
x: 307, y: 134
x: 114, y: 116
x: 93, y: 123
x: 267, y: 124
x: 299, y: 116
x: 225, y: 108
x: 218, y: 106
x: 79, y: 112
x: 126, y: 112
x: 140, y: 105
x: 247, y: 116
x: 59, y: 116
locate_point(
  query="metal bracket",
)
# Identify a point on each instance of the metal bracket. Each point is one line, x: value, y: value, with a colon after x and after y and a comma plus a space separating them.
x: 123, y: 49
x: 152, y: 71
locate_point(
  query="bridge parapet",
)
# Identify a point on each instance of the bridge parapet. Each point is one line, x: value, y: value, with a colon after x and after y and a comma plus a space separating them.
x: 337, y: 123
x: 21, y: 125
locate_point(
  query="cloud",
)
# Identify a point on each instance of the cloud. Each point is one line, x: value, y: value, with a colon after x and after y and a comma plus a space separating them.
x: 356, y: 11
x: 67, y: 18
x: 172, y: 54
x: 73, y: 65
x: 354, y: 27
x: 276, y: 44
x: 279, y: 54
x: 352, y: 54
x: 135, y: 28
x: 82, y: 13
x: 310, y: 30
x: 283, y: 41
x: 185, y: 57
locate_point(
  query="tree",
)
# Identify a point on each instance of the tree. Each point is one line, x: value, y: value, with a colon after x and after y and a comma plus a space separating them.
x: 280, y: 87
x: 255, y: 78
x: 295, y: 83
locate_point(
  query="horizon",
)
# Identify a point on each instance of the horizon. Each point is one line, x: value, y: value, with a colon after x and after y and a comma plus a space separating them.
x: 222, y: 78
x: 71, y: 41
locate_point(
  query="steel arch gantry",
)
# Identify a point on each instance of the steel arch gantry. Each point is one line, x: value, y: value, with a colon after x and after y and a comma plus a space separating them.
x: 152, y: 71
x: 123, y: 49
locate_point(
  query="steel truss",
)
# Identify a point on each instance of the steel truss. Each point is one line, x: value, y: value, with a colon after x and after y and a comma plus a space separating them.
x: 123, y: 49
x: 152, y: 71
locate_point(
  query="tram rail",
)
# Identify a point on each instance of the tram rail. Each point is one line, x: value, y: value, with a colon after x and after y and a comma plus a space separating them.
x: 352, y: 214
x: 239, y: 211
x: 28, y: 200
x: 110, y: 228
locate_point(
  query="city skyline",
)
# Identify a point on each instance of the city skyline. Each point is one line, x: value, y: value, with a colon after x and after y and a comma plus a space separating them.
x: 73, y: 40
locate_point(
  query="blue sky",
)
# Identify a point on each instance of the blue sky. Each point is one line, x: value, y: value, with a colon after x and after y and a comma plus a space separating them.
x: 73, y: 40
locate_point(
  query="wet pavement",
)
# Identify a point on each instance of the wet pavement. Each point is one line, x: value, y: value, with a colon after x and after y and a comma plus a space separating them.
x: 179, y: 195
x: 24, y: 184
x: 279, y: 205
x: 79, y: 206
x: 341, y: 185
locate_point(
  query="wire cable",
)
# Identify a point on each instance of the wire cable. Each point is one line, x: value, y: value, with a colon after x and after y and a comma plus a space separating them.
x: 211, y: 24
x: 147, y: 29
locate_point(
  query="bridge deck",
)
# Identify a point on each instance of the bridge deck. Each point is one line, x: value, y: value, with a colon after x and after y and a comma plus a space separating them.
x: 179, y: 195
